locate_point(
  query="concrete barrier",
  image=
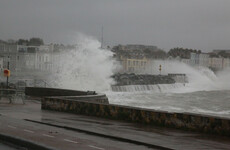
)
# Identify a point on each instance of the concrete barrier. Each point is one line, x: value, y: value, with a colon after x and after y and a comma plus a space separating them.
x: 73, y: 95
x: 191, y: 122
x: 41, y: 92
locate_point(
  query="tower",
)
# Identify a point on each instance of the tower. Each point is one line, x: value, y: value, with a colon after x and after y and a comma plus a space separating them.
x: 101, y: 37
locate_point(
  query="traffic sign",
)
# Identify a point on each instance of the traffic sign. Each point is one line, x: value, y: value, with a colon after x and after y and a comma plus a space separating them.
x: 6, y: 73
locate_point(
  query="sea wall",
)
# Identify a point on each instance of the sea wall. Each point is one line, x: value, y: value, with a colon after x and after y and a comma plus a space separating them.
x: 191, y: 122
x: 40, y: 92
x: 72, y: 95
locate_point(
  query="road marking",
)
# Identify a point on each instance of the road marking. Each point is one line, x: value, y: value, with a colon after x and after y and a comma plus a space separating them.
x: 28, y: 131
x: 11, y: 127
x: 48, y: 135
x: 95, y: 147
x: 70, y: 141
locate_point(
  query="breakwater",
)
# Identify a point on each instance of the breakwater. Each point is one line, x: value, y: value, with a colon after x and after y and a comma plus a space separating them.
x: 141, y: 79
x: 146, y: 82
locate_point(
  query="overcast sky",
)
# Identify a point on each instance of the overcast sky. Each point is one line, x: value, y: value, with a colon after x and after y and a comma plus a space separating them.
x: 196, y: 24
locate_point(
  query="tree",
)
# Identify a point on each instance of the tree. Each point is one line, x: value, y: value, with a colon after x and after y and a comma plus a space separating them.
x: 35, y: 42
x: 223, y: 54
x: 22, y: 42
x: 182, y: 52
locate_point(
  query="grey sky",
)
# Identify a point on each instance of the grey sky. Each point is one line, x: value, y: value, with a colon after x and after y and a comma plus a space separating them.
x: 197, y: 24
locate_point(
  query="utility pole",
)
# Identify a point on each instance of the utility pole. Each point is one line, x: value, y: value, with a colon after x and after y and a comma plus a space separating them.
x: 8, y: 67
x: 101, y: 37
x: 160, y: 69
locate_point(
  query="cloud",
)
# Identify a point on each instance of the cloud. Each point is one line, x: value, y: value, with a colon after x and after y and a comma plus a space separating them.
x: 170, y: 23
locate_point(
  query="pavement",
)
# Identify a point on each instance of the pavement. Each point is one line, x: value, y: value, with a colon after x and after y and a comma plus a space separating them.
x: 6, y: 147
x: 64, y: 131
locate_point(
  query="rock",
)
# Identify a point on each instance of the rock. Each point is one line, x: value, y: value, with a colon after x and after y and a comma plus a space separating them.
x: 142, y: 79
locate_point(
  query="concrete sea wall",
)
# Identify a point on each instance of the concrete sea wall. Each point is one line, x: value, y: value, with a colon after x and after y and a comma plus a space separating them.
x: 40, y: 92
x: 191, y: 122
x: 72, y: 95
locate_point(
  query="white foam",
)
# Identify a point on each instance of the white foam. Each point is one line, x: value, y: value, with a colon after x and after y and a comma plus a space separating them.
x: 88, y: 67
x: 154, y: 88
x: 199, y: 78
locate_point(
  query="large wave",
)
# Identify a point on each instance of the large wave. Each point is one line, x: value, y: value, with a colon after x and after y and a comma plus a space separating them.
x: 90, y: 68
x: 87, y: 67
x: 199, y: 78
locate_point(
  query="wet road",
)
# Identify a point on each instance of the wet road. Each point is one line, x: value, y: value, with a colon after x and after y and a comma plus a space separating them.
x: 5, y: 147
x: 69, y: 131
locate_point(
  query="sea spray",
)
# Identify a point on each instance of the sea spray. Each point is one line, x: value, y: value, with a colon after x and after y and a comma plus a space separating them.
x: 223, y: 79
x: 199, y: 78
x: 87, y: 67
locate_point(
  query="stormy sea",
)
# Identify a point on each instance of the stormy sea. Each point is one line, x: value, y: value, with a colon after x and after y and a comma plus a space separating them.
x: 89, y: 67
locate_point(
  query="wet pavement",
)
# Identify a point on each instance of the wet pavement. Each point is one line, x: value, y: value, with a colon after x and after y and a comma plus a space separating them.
x: 69, y: 131
x: 6, y: 147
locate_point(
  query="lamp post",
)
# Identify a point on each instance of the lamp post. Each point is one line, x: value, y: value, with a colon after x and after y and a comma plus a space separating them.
x: 8, y: 67
x: 160, y: 69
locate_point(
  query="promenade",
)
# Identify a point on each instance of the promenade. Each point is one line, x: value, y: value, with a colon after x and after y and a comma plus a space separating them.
x: 64, y: 131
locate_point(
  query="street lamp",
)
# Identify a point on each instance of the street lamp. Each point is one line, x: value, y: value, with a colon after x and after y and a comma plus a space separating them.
x: 7, y: 72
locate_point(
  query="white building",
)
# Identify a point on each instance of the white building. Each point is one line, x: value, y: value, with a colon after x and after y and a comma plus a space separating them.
x: 28, y: 59
x: 204, y: 59
x: 226, y: 63
x: 1, y: 63
x: 186, y: 61
x: 43, y: 61
x: 194, y: 59
x: 216, y: 63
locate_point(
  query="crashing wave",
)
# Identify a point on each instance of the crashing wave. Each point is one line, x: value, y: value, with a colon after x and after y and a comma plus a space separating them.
x: 155, y: 87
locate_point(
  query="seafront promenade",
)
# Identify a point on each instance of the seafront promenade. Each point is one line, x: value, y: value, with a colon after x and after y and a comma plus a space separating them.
x: 26, y: 124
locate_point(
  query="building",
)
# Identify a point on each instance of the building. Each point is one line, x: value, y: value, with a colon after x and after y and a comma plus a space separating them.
x: 9, y: 53
x: 226, y: 63
x: 194, y: 59
x: 136, y: 58
x: 133, y: 64
x: 43, y: 61
x: 216, y: 63
x: 26, y: 59
x: 204, y: 59
x: 1, y: 63
x: 186, y: 61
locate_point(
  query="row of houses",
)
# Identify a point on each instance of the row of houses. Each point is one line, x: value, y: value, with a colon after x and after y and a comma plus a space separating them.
x: 211, y: 60
x: 132, y: 57
x: 134, y: 62
x: 26, y: 60
x: 26, y: 57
